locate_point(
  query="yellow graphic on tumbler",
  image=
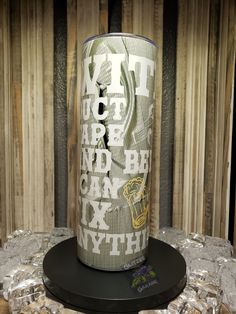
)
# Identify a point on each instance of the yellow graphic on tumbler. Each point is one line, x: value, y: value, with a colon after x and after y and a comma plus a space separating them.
x: 134, y: 192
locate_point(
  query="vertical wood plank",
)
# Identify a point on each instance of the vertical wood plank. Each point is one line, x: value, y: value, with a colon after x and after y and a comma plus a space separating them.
x: 9, y: 215
x: 228, y: 118
x: 143, y: 17
x: 37, y: 117
x: 25, y: 118
x: 234, y: 51
x: 127, y: 16
x: 181, y: 68
x: 103, y: 18
x: 16, y: 103
x: 156, y: 148
x: 27, y: 114
x: 220, y: 91
x: 188, y: 136
x: 48, y: 140
x: 220, y: 212
x: 231, y: 82
x: 137, y: 17
x: 72, y: 105
x: 210, y: 119
x: 200, y: 114
x: 84, y: 9
x: 6, y: 183
x: 146, y: 18
x: 200, y: 105
x: 2, y: 133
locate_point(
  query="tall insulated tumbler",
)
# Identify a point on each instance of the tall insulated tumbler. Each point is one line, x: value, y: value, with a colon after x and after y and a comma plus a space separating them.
x: 117, y: 103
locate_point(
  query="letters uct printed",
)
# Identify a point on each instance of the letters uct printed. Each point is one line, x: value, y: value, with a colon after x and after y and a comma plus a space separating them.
x: 98, y: 188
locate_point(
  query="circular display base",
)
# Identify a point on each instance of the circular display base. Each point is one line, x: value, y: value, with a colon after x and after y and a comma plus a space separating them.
x: 152, y: 285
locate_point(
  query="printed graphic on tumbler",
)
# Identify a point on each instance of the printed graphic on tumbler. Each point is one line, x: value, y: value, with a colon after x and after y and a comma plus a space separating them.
x: 117, y: 104
x: 134, y: 192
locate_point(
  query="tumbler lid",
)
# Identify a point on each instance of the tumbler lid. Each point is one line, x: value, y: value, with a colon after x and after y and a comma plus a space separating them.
x: 120, y: 35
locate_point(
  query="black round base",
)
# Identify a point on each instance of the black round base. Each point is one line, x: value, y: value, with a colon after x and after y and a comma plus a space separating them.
x: 152, y: 285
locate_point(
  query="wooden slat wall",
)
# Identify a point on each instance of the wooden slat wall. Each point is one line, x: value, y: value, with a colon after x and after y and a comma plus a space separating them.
x: 191, y: 106
x: 27, y: 183
x: 146, y: 18
x: 37, y: 114
x: 205, y: 60
x: 203, y: 125
x: 227, y: 37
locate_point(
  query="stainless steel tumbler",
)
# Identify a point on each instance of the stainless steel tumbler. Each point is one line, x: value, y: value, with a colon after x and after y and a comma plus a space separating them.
x: 117, y: 103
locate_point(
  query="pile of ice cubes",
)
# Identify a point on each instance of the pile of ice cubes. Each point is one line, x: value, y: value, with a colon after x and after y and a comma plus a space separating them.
x: 211, y: 273
x: 21, y: 260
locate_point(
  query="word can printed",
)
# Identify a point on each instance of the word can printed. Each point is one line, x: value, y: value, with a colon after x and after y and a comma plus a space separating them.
x: 117, y: 103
